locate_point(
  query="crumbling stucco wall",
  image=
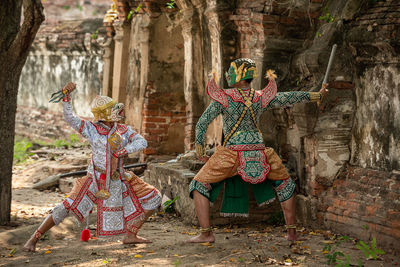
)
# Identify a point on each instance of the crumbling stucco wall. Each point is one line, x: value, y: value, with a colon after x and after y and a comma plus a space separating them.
x: 63, y: 52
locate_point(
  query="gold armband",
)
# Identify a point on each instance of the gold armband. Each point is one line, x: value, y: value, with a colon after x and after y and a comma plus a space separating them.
x: 200, y: 151
x: 315, y: 96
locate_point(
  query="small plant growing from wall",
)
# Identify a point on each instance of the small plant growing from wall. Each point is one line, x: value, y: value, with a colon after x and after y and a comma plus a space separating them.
x: 327, y: 17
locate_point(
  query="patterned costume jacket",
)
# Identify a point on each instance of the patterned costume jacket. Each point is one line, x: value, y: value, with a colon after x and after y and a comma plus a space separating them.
x: 241, y: 111
x: 122, y: 208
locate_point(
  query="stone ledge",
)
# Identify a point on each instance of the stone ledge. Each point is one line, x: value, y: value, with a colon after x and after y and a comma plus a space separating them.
x: 174, y: 179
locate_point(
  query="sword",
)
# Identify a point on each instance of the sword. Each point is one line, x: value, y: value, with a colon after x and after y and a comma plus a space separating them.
x: 328, y: 68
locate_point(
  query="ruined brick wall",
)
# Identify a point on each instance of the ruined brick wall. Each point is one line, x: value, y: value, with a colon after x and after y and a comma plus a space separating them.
x: 351, y: 156
x: 163, y: 127
x: 61, y: 10
x: 63, y: 52
x: 66, y: 48
x: 363, y: 202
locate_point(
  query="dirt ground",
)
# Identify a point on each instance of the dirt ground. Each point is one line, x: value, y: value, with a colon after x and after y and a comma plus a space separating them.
x: 236, y: 245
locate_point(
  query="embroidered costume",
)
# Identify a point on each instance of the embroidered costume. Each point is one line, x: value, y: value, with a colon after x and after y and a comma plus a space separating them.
x: 243, y: 155
x: 120, y: 196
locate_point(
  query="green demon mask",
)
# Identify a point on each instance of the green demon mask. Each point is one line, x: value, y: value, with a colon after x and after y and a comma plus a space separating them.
x: 241, y: 69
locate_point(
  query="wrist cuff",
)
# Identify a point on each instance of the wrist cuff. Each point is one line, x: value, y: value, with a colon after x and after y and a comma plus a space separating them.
x: 315, y: 96
x: 200, y: 150
x: 66, y: 98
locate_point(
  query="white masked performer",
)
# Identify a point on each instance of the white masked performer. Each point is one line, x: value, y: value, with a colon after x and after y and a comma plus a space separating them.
x: 123, y: 200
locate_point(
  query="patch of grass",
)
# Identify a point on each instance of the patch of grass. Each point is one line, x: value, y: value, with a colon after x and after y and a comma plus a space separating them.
x: 72, y: 140
x: 21, y: 153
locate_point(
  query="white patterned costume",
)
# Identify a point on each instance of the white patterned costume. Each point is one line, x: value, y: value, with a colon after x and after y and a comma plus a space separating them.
x: 128, y: 196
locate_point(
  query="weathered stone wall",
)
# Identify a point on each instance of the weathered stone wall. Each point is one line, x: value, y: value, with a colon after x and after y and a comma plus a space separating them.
x: 61, y: 10
x: 358, y: 125
x: 66, y: 48
x: 63, y: 52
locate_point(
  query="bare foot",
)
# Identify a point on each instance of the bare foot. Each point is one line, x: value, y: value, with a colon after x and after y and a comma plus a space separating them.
x: 202, y: 238
x: 294, y: 237
x: 131, y: 239
x: 30, y: 245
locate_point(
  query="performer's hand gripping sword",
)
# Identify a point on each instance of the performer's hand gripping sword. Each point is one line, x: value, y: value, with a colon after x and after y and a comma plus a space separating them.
x: 323, y: 90
x: 57, y: 96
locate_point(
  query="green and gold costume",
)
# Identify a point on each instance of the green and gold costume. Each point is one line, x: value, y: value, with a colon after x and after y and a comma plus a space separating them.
x: 243, y: 155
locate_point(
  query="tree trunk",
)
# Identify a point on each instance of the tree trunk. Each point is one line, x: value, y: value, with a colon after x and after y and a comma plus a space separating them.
x: 15, y: 41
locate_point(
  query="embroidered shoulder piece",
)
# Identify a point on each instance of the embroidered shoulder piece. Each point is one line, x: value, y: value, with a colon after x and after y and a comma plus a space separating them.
x: 217, y: 93
x: 266, y: 94
x: 235, y: 95
x: 100, y: 129
x: 121, y: 128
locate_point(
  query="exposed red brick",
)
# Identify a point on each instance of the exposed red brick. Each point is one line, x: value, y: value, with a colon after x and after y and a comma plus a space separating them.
x: 149, y: 125
x: 155, y: 131
x: 153, y: 119
x: 149, y: 151
x: 146, y: 112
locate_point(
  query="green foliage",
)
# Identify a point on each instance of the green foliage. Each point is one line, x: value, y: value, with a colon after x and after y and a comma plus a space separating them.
x: 327, y: 16
x: 73, y: 139
x: 370, y: 251
x: 333, y: 257
x: 365, y: 227
x: 344, y: 238
x: 168, y: 208
x: 138, y: 8
x: 318, y: 34
x: 78, y: 6
x: 20, y: 150
x: 66, y: 7
x: 339, y: 259
x: 129, y: 17
x: 95, y: 35
x: 171, y: 4
x: 177, y: 262
x: 345, y: 262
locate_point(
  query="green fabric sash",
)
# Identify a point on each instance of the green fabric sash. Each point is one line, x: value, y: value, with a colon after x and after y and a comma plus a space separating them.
x: 236, y: 194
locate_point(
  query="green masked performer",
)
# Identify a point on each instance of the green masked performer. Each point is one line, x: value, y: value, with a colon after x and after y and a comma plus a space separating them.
x: 243, y: 159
